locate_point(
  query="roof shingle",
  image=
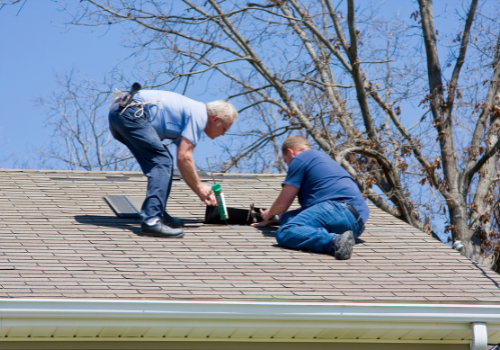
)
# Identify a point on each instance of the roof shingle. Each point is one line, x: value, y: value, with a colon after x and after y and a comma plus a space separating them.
x: 59, y: 239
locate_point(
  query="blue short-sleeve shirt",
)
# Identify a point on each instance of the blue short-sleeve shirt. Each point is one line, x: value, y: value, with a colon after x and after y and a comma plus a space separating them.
x: 320, y: 178
x: 174, y: 116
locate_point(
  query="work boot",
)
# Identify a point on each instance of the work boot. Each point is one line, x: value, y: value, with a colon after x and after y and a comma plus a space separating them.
x: 342, y: 247
x: 171, y: 221
x: 160, y: 230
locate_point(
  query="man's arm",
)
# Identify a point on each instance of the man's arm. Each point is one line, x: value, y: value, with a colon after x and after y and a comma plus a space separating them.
x: 187, y: 168
x: 280, y: 205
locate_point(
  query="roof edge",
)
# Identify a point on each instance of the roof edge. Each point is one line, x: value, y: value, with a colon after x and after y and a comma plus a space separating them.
x: 272, y: 312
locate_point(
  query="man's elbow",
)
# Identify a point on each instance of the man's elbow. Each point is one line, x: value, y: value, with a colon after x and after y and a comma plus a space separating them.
x: 183, y: 158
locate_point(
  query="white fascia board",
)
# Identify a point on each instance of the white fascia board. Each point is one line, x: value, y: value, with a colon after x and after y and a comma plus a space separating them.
x: 130, y: 311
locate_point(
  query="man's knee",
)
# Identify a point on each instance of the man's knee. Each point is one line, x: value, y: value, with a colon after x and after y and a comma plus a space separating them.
x: 163, y: 160
x: 157, y: 155
x: 279, y: 235
x: 283, y: 234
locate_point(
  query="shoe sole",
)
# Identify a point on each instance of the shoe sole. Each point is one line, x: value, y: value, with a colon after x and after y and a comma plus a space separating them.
x: 344, y: 244
x: 174, y: 226
x: 159, y: 235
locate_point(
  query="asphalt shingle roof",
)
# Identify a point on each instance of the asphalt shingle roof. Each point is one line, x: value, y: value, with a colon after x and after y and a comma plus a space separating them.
x: 59, y: 239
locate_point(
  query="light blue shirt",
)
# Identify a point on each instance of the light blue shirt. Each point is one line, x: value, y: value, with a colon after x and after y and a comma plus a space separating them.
x: 174, y: 116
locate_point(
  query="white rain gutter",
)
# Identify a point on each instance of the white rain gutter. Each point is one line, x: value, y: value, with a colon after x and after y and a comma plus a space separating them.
x: 235, y: 310
x: 141, y: 313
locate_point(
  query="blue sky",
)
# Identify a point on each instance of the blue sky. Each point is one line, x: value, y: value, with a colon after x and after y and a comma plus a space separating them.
x: 36, y: 45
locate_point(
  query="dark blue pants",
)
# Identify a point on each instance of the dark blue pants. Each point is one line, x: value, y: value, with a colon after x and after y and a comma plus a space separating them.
x: 316, y: 227
x: 153, y: 157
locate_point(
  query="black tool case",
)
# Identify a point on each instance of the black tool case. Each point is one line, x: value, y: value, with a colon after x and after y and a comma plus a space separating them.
x: 237, y: 216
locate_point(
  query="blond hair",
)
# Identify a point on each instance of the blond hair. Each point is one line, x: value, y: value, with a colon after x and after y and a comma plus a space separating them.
x: 224, y: 110
x: 295, y: 142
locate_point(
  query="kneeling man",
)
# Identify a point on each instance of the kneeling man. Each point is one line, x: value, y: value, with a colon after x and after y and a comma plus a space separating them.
x: 333, y: 210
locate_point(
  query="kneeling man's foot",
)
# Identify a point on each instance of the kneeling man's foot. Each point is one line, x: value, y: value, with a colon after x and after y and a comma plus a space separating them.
x: 161, y: 230
x: 342, y: 247
x: 171, y: 221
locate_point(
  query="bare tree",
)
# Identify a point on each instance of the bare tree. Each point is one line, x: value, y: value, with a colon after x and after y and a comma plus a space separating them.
x: 77, y: 115
x: 469, y: 211
x: 257, y: 146
x: 8, y: 2
x: 345, y: 77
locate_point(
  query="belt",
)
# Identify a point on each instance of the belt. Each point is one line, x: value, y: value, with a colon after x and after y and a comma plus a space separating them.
x: 140, y: 109
x: 356, y: 215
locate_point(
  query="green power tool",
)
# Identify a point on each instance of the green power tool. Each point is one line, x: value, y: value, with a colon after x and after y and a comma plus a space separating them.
x: 219, y: 195
x: 221, y: 202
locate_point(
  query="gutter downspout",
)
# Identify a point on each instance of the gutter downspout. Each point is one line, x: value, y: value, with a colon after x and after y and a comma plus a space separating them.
x: 479, y: 336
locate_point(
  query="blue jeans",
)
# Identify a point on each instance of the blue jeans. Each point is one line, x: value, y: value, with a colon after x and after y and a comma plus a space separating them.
x: 317, y: 227
x: 153, y: 157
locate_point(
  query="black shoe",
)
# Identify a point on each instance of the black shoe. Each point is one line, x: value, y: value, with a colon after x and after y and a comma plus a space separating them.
x: 161, y: 230
x: 342, y: 247
x: 171, y: 221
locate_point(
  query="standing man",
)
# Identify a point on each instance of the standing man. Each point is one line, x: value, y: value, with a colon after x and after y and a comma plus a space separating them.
x: 141, y: 126
x: 333, y: 210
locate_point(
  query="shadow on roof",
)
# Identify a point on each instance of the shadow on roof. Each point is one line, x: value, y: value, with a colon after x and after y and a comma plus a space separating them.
x: 131, y: 224
x: 268, y: 231
x: 485, y: 274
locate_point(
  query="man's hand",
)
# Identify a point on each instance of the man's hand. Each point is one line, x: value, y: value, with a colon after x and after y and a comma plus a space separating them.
x: 267, y: 219
x: 261, y: 224
x: 265, y: 214
x: 280, y: 205
x: 206, y: 195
